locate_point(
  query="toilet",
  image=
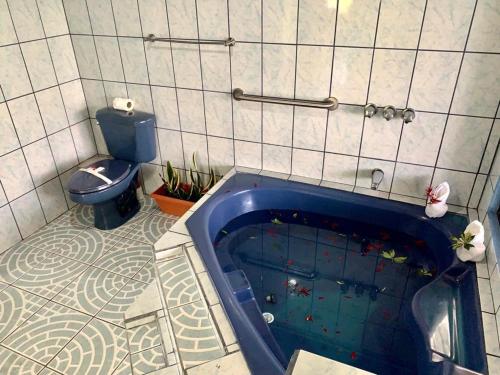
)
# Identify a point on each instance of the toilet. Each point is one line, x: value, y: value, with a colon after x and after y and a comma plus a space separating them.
x: 110, y: 185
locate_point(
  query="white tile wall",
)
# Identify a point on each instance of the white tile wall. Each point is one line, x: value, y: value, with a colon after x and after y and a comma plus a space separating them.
x: 44, y: 126
x: 443, y: 61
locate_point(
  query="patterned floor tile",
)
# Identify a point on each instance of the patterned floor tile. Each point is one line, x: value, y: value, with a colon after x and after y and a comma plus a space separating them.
x: 178, y: 283
x: 147, y: 273
x: 97, y: 350
x: 80, y: 215
x: 124, y: 229
x: 114, y: 310
x: 90, y: 291
x: 148, y: 205
x: 50, y: 275
x: 51, y: 237
x: 17, y: 307
x: 18, y: 260
x: 148, y: 360
x: 143, y: 337
x: 12, y: 363
x: 125, y: 368
x: 126, y: 258
x: 88, y: 246
x: 43, y: 335
x: 196, y: 337
x: 48, y: 371
x: 152, y: 228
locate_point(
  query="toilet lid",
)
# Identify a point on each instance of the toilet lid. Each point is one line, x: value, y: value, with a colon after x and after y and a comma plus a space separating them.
x: 115, y: 170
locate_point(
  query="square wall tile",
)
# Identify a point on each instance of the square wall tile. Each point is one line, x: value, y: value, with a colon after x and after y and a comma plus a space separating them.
x: 365, y: 168
x: 478, y: 87
x: 395, y: 28
x: 52, y: 110
x: 52, y: 199
x: 26, y: 19
x: 74, y: 101
x: 340, y: 168
x: 381, y: 138
x: 489, y: 153
x: 40, y: 161
x: 99, y: 138
x: 464, y: 143
x: 307, y: 163
x: 134, y: 60
x: 28, y: 213
x: 170, y: 143
x: 26, y: 118
x: 77, y: 16
x: 8, y: 141
x: 411, y: 179
x: 195, y: 144
x: 477, y: 190
x: 279, y: 21
x: 126, y: 14
x: 15, y: 175
x: 316, y: 22
x: 165, y: 105
x: 309, y: 130
x: 13, y: 75
x: 246, y: 68
x: 63, y: 150
x: 7, y: 32
x: 277, y: 124
x: 154, y: 17
x: 345, y: 126
x: 277, y: 158
x: 245, y: 20
x: 84, y: 140
x: 8, y: 229
x: 484, y: 32
x: 53, y: 17
x: 94, y: 95
x: 434, y: 79
x: 248, y: 154
x: 187, y: 66
x: 213, y: 19
x: 215, y: 65
x: 141, y: 94
x: 63, y: 58
x: 247, y: 120
x: 86, y: 56
x: 314, y: 65
x: 39, y: 63
x: 356, y: 23
x: 391, y: 75
x: 421, y: 139
x: 101, y: 17
x: 278, y: 64
x: 446, y: 24
x: 110, y: 62
x: 461, y: 184
x: 182, y: 18
x: 160, y: 67
x: 191, y: 110
x: 218, y: 110
x: 221, y: 153
x: 115, y: 90
x: 351, y: 72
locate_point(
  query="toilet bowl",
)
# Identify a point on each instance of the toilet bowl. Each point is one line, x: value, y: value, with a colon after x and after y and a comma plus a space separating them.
x: 110, y: 185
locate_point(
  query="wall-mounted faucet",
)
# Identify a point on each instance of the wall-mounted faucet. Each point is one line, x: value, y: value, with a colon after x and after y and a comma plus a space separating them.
x: 408, y: 115
x: 377, y: 177
x: 389, y: 112
x: 370, y: 110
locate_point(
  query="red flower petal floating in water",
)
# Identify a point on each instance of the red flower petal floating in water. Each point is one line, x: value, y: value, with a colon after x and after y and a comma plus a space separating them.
x: 304, y: 292
x: 353, y: 355
x: 290, y: 262
x: 379, y: 245
x: 309, y: 318
x: 370, y: 247
x: 420, y: 243
x: 386, y: 314
x: 385, y: 235
x: 326, y: 253
x: 272, y: 232
x: 334, y: 225
x: 380, y: 266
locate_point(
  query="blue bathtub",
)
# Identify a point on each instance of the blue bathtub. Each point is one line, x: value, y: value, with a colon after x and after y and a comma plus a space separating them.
x: 447, y: 308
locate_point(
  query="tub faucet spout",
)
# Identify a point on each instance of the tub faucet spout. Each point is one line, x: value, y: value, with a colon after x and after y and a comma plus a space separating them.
x: 377, y: 177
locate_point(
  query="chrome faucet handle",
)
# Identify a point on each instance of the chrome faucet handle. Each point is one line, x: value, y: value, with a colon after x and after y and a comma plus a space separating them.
x: 389, y: 112
x: 377, y: 177
x: 408, y: 115
x: 370, y: 110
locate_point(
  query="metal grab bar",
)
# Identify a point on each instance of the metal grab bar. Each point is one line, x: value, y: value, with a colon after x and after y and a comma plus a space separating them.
x: 229, y: 42
x: 329, y: 103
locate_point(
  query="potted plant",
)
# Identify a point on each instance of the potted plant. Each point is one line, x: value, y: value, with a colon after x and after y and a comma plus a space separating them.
x: 175, y: 196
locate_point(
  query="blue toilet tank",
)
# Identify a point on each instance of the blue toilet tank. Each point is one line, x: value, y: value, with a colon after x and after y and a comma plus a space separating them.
x: 128, y: 135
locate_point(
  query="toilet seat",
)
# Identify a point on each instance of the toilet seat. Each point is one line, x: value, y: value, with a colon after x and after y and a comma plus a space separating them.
x: 82, y: 182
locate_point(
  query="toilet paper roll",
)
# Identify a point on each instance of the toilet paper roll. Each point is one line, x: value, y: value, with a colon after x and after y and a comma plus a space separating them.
x: 123, y: 104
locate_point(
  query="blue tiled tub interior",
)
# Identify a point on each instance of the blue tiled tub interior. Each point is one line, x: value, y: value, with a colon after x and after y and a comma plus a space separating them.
x: 318, y: 259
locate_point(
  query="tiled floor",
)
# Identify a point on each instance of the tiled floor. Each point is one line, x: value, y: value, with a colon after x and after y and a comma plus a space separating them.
x: 63, y: 292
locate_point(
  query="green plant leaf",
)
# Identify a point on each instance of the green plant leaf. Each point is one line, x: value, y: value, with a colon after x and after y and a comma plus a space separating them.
x: 399, y: 260
x: 276, y: 221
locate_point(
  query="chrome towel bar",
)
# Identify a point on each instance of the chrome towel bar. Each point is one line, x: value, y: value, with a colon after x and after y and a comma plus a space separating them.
x: 229, y: 42
x: 329, y: 103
